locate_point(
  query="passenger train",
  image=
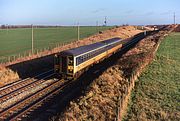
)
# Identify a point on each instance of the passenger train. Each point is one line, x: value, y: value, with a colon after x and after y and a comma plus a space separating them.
x: 70, y: 64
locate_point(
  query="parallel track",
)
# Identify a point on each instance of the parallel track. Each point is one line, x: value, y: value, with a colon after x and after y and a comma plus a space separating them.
x: 15, y: 89
x: 39, y: 102
x: 16, y: 92
x: 19, y: 84
x: 6, y: 113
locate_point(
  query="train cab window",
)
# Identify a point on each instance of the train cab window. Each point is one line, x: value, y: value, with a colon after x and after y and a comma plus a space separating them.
x: 70, y: 60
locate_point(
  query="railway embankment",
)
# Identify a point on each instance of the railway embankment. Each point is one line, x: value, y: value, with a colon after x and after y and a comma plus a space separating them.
x: 107, y: 97
x: 7, y: 76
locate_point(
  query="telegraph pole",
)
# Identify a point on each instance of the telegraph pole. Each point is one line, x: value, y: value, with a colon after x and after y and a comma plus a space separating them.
x: 78, y: 31
x: 97, y: 26
x: 105, y: 21
x: 32, y: 42
x: 7, y: 28
x: 174, y: 18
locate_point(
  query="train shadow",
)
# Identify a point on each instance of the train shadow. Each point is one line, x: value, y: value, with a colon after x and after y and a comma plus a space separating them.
x: 31, y: 68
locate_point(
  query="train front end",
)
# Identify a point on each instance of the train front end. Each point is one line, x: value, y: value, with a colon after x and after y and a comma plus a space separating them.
x: 64, y: 66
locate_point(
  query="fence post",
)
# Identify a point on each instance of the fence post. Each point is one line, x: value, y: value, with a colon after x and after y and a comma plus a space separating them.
x: 9, y: 59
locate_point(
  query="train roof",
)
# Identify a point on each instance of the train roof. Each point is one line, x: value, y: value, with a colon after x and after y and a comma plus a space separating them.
x: 83, y: 49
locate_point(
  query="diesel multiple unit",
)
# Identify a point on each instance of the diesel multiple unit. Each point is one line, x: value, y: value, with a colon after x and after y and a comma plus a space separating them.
x: 70, y: 64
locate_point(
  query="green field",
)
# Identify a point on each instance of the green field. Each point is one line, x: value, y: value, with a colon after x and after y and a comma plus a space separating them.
x: 157, y: 91
x: 15, y: 41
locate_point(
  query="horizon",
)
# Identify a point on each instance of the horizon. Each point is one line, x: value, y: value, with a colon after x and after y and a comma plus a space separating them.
x: 38, y: 25
x: 88, y: 13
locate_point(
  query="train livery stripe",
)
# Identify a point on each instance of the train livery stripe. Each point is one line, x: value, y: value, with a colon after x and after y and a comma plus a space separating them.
x: 96, y: 58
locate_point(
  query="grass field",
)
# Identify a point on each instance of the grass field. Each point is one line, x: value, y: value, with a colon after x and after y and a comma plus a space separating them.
x: 157, y: 91
x: 15, y: 41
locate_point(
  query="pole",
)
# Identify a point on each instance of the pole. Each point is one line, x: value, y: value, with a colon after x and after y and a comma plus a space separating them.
x: 174, y: 18
x: 97, y: 26
x: 7, y: 28
x: 78, y: 31
x: 32, y: 44
x: 105, y: 21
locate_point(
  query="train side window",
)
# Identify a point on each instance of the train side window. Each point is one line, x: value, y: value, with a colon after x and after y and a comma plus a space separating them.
x: 94, y: 53
x: 77, y: 61
x: 81, y: 58
x: 87, y: 55
x: 84, y: 58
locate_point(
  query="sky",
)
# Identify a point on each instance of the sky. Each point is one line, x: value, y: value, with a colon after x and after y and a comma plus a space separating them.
x: 88, y: 12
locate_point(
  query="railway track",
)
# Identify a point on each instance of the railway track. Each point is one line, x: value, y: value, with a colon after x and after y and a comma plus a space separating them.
x: 39, y: 102
x: 21, y: 109
x: 11, y: 94
x: 22, y: 89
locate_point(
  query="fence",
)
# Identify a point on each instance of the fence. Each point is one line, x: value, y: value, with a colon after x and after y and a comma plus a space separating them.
x: 26, y: 55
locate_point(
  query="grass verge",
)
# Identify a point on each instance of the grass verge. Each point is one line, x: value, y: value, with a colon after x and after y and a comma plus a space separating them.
x: 157, y: 92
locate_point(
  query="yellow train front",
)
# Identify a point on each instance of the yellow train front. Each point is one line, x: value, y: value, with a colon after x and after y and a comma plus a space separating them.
x: 70, y: 64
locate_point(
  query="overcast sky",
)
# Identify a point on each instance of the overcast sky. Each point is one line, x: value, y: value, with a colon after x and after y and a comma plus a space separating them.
x: 87, y: 12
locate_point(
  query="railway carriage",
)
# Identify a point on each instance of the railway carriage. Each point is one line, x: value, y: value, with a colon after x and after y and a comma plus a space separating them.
x: 70, y: 64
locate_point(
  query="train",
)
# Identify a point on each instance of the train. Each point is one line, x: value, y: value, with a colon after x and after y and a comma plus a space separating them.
x: 70, y: 64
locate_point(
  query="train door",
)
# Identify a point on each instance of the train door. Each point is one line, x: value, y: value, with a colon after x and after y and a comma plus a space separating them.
x: 70, y: 66
x: 63, y: 64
